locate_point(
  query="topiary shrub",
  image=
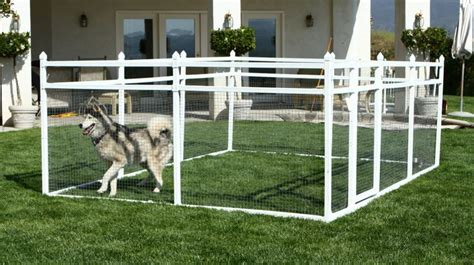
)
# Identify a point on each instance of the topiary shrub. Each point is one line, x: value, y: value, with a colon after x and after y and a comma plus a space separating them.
x: 242, y: 41
x: 12, y: 45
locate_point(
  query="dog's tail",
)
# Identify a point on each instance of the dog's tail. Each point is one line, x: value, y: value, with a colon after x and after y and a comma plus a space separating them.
x: 160, y: 129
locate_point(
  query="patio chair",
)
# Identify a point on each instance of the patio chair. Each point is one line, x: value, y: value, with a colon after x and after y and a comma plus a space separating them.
x: 106, y: 98
x: 315, y: 102
x: 307, y: 101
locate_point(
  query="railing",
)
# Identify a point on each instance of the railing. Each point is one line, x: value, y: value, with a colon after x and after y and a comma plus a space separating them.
x: 344, y: 78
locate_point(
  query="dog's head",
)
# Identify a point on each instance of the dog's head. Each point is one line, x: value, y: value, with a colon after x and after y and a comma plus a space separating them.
x: 89, y: 125
x: 92, y: 125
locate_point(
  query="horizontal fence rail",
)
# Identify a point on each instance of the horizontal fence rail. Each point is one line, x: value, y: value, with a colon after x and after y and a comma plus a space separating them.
x: 336, y: 86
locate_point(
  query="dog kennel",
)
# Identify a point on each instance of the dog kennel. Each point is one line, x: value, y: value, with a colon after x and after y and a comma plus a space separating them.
x: 292, y: 137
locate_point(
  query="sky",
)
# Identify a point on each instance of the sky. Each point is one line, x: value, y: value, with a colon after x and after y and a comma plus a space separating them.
x: 444, y: 13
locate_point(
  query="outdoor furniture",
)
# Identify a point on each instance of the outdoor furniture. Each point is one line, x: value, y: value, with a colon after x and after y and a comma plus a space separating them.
x: 107, y: 98
x: 309, y: 101
x: 60, y: 98
x: 111, y: 98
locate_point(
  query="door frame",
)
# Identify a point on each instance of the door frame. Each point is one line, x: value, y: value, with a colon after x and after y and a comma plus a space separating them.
x: 279, y: 49
x: 121, y: 15
x: 155, y: 15
x: 280, y: 22
x: 162, y: 31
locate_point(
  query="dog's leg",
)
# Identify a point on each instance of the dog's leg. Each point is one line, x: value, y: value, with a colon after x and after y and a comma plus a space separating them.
x: 156, y: 169
x: 111, y: 172
x: 113, y: 186
x: 145, y: 181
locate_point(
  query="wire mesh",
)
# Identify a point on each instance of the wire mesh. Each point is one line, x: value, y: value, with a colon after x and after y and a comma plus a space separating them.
x: 365, y: 143
x: 424, y: 143
x: 340, y: 152
x: 269, y: 156
x: 394, y: 149
x: 77, y: 164
x: 275, y: 162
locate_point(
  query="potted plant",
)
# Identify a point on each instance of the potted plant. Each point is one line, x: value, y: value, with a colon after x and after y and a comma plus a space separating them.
x: 241, y: 41
x: 430, y: 44
x: 14, y: 45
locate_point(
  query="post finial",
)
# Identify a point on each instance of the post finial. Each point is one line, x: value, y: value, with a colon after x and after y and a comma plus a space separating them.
x: 184, y: 54
x: 43, y: 56
x: 327, y: 56
x: 412, y: 58
x: 121, y: 56
x: 380, y: 57
x: 175, y: 55
x: 232, y: 53
x: 441, y: 58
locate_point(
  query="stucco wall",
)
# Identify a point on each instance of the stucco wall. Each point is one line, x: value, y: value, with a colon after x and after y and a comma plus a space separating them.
x: 22, y: 7
x: 40, y: 28
x: 299, y: 40
x: 69, y: 40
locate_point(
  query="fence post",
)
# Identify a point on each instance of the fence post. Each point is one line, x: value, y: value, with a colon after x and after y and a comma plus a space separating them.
x: 328, y: 129
x: 411, y: 115
x: 44, y: 124
x: 231, y: 83
x: 176, y: 131
x: 440, y: 111
x: 378, y: 121
x: 182, y: 103
x: 353, y: 113
x: 121, y: 92
x: 121, y: 99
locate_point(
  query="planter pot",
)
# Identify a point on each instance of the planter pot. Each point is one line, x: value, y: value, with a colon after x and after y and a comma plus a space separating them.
x: 241, y: 108
x: 426, y: 106
x: 23, y: 116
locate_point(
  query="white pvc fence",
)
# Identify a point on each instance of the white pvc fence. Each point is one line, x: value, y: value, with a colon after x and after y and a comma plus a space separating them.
x: 386, y: 151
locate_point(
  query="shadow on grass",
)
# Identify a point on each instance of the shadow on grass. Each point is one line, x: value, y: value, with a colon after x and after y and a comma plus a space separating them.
x: 28, y: 180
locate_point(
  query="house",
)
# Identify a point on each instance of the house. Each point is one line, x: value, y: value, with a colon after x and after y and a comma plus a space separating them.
x: 68, y: 29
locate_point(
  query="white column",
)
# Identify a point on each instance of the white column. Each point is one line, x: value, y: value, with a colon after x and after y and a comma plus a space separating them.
x: 23, y: 68
x: 217, y: 12
x: 405, y: 11
x: 351, y: 29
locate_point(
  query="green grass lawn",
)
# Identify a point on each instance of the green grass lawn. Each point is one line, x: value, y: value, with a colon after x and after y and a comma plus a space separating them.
x: 454, y: 103
x: 426, y: 221
x: 272, y: 176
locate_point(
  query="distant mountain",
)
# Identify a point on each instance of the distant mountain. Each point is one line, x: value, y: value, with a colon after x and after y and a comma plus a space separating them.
x: 444, y: 13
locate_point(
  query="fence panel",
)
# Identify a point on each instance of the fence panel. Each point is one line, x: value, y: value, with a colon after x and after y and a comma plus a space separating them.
x: 250, y: 140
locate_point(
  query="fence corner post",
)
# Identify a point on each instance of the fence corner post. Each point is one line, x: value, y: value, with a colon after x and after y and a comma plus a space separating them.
x: 44, y: 124
x: 328, y: 129
x: 440, y: 110
x: 411, y: 114
x: 182, y: 103
x: 176, y: 130
x: 231, y: 83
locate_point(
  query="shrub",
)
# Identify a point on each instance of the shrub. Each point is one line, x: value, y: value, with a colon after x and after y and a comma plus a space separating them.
x: 13, y: 44
x: 430, y: 43
x: 242, y: 40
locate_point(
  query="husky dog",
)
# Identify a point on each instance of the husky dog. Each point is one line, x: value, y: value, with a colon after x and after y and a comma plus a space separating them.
x: 150, y: 147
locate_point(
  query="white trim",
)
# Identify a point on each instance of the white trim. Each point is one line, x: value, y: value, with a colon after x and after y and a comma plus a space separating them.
x: 261, y: 212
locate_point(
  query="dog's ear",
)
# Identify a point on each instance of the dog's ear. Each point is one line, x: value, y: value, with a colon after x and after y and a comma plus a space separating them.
x: 96, y: 107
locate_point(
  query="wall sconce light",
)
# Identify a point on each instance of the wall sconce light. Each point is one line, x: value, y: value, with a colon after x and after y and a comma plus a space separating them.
x: 228, y: 21
x: 419, y: 20
x: 15, y: 25
x: 309, y: 21
x: 83, y: 20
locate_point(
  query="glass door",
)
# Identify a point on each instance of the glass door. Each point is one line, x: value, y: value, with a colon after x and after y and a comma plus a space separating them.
x: 137, y: 39
x: 267, y: 27
x: 182, y: 32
